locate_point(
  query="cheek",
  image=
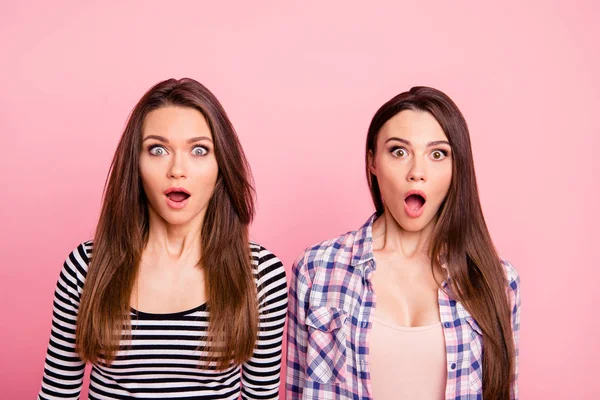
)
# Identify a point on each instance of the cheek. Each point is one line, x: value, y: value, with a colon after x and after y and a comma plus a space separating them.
x: 443, y: 179
x: 149, y: 174
x: 391, y: 178
x: 205, y: 174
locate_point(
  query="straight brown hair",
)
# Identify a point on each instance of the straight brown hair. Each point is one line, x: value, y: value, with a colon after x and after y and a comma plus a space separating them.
x: 122, y: 234
x: 460, y: 237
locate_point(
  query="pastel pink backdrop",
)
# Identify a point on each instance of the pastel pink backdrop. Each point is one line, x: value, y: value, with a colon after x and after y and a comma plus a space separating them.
x: 300, y: 81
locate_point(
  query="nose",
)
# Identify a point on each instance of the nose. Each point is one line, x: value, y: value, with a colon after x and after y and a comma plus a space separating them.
x: 417, y: 172
x: 177, y: 168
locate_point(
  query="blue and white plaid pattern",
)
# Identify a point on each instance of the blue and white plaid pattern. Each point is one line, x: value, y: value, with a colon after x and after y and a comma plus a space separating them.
x: 330, y: 314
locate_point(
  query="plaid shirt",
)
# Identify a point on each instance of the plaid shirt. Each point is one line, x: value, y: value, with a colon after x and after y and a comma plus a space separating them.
x: 330, y: 315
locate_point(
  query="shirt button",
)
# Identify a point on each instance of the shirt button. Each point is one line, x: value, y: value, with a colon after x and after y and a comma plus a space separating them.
x: 453, y: 366
x: 447, y: 324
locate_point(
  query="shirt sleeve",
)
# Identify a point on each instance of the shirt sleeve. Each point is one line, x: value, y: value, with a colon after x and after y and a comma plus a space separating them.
x: 514, y: 293
x: 63, y: 369
x: 297, y: 334
x: 260, y: 374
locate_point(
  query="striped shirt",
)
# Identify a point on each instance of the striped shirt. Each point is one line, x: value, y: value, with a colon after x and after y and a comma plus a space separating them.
x: 161, y: 360
x: 331, y: 313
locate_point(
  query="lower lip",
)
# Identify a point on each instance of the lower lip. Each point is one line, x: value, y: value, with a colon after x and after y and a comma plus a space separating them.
x: 177, y: 205
x: 414, y: 213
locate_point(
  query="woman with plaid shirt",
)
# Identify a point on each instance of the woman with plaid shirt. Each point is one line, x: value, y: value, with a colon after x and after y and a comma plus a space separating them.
x: 415, y: 304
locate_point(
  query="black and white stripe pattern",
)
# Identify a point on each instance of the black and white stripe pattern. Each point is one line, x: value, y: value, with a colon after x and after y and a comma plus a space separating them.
x: 162, y: 358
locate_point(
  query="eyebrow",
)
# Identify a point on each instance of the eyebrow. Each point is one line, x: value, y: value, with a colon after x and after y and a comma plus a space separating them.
x: 165, y: 140
x: 406, y: 142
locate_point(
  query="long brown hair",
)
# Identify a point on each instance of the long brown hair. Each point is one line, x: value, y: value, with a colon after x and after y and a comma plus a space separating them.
x: 461, y: 237
x: 122, y: 233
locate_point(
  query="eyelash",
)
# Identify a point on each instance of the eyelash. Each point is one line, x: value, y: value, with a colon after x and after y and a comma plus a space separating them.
x: 156, y: 146
x: 201, y: 147
x: 393, y: 149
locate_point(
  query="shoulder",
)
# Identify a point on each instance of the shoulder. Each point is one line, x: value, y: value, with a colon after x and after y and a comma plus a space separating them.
x: 513, y: 289
x: 333, y: 253
x: 73, y: 273
x: 266, y: 264
x: 78, y: 261
x: 512, y: 276
x: 270, y: 278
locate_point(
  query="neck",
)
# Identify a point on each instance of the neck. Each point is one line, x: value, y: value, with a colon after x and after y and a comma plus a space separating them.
x: 389, y: 236
x: 176, y: 242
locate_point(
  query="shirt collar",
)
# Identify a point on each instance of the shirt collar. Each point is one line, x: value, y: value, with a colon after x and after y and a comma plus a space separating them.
x: 362, y: 249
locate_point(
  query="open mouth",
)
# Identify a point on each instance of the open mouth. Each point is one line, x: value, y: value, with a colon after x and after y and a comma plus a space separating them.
x: 178, y: 197
x: 414, y: 201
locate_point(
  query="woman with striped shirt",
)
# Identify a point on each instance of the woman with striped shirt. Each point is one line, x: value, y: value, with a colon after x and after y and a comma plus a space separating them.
x: 415, y: 304
x: 171, y: 299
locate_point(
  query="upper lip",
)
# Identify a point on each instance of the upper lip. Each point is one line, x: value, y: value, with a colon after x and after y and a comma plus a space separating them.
x: 177, y: 189
x: 418, y: 192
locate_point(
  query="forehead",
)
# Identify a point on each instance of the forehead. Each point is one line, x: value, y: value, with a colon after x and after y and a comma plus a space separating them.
x: 173, y: 122
x: 418, y: 127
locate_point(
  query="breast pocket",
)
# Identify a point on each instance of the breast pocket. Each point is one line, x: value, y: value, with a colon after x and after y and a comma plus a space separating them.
x: 476, y: 356
x: 326, y: 348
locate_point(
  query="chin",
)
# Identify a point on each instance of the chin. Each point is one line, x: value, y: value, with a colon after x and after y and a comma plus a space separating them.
x: 174, y: 218
x: 412, y: 224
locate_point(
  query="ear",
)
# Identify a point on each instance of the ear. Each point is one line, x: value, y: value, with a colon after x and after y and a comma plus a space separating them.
x: 371, y: 162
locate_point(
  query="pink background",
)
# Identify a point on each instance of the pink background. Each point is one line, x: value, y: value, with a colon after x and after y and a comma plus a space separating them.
x: 300, y: 81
